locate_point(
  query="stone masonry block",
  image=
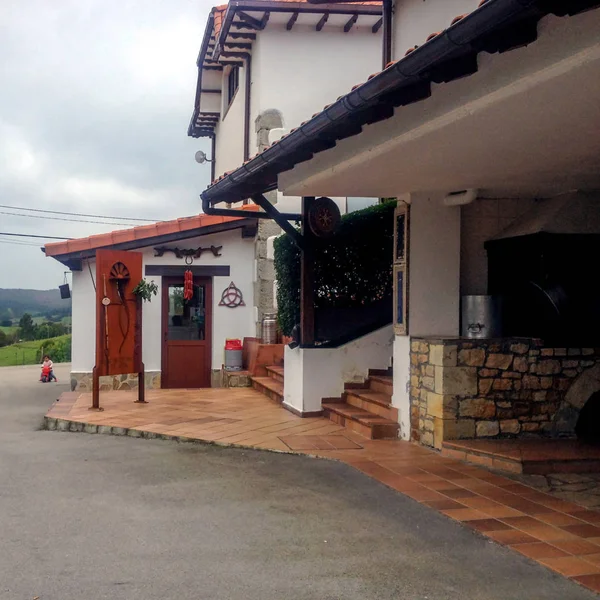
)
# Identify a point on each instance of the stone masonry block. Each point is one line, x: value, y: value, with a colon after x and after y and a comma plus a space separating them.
x: 472, y: 358
x: 519, y: 348
x: 442, y: 407
x: 457, y: 381
x: 499, y: 361
x: 485, y: 385
x: 458, y: 429
x: 548, y: 367
x: 520, y: 364
x: 487, y: 428
x: 441, y: 355
x: 510, y: 426
x: 478, y: 408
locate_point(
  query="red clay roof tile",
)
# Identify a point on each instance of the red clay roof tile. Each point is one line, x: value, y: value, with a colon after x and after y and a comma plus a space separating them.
x: 140, y: 233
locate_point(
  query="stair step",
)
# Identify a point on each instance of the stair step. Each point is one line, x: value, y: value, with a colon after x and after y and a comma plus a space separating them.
x: 275, y: 372
x: 369, y: 425
x: 377, y: 403
x: 381, y: 383
x: 269, y: 387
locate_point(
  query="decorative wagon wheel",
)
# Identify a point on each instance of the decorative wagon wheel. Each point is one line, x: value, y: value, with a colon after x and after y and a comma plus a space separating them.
x: 119, y: 271
x: 323, y: 217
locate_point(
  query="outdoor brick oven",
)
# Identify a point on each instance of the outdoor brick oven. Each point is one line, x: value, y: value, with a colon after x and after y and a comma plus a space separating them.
x: 470, y: 388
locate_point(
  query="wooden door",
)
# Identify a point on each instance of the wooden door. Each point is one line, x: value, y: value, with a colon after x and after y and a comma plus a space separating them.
x: 187, y: 333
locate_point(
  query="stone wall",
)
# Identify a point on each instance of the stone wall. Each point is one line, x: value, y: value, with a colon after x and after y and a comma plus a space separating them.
x: 82, y: 382
x: 464, y: 389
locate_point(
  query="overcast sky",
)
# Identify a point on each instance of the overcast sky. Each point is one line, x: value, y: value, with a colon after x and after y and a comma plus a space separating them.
x: 95, y: 100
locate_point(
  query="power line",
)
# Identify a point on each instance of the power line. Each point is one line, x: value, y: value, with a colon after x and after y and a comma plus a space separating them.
x: 59, y: 212
x: 17, y: 243
x: 3, y: 212
x: 31, y: 235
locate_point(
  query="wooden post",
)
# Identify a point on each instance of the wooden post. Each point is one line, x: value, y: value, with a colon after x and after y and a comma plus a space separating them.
x: 307, y: 283
x: 95, y: 390
x: 137, y: 352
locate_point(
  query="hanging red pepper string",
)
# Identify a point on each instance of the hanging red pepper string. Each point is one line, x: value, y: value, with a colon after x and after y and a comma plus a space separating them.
x: 188, y: 285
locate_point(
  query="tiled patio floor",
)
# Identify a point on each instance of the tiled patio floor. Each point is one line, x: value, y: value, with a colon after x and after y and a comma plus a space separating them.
x: 561, y: 535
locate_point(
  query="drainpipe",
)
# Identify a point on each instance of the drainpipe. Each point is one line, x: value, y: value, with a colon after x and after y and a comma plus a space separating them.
x: 387, y: 9
x: 247, y: 110
x: 213, y: 146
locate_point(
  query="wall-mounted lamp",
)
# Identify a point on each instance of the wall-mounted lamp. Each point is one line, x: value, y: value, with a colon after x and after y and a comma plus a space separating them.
x: 201, y: 158
x: 460, y: 198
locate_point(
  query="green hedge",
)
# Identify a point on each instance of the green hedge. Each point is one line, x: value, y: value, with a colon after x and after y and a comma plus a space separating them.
x: 353, y: 268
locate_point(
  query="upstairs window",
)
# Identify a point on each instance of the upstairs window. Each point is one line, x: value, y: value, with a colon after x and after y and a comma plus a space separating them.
x: 233, y: 82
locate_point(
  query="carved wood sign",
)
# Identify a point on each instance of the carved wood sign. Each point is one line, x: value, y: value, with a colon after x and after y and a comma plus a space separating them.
x: 189, y: 254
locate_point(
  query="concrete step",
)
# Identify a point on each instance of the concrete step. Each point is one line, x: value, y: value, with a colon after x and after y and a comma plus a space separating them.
x: 381, y: 383
x: 378, y: 403
x: 275, y: 372
x: 269, y: 387
x: 369, y: 425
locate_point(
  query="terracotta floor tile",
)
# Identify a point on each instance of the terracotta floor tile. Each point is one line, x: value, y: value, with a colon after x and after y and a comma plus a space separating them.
x: 558, y: 519
x: 480, y: 503
x: 577, y: 547
x: 523, y: 523
x: 445, y: 504
x: 423, y: 495
x: 485, y: 525
x: 590, y: 581
x: 570, y: 566
x: 539, y: 550
x: 510, y: 537
x: 593, y: 558
x: 548, y: 533
x: 464, y: 514
x: 502, y: 512
x: 585, y: 530
x: 458, y: 493
x: 590, y: 516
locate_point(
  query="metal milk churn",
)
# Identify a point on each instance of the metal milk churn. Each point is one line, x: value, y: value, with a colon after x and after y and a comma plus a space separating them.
x: 269, y: 328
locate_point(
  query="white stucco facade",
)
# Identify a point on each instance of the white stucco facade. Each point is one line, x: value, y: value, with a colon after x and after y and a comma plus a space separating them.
x: 237, y: 253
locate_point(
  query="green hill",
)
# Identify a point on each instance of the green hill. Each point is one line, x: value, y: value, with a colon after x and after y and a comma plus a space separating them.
x: 38, y: 303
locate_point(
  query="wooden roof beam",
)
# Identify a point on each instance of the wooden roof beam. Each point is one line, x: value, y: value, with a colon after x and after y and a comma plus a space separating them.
x: 250, y: 21
x: 348, y: 26
x: 322, y: 21
x: 377, y: 26
x: 292, y: 20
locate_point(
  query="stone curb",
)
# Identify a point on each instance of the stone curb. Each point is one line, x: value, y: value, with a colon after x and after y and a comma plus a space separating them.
x: 56, y: 424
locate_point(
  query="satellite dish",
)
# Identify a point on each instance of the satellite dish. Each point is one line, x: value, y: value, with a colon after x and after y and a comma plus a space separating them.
x: 200, y: 157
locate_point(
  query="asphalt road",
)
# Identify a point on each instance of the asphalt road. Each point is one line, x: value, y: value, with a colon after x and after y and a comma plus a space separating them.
x: 93, y: 516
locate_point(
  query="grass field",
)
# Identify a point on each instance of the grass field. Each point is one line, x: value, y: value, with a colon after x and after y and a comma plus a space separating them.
x: 23, y: 353
x: 8, y: 330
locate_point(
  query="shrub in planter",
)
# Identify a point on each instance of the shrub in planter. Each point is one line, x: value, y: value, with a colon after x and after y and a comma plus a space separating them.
x: 352, y: 269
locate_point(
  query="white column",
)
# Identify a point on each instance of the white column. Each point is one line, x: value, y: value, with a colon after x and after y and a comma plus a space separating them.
x: 434, y: 286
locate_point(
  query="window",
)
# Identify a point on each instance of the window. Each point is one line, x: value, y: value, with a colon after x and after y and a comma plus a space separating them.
x: 233, y: 82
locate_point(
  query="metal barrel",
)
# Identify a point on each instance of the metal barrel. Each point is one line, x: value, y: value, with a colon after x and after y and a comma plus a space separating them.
x: 481, y: 317
x: 269, y: 329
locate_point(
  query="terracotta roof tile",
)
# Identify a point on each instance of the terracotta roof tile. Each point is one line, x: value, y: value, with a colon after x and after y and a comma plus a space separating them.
x: 142, y: 232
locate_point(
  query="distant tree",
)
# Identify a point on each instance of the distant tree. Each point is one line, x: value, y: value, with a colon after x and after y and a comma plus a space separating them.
x: 26, y: 327
x: 5, y: 323
x: 3, y: 339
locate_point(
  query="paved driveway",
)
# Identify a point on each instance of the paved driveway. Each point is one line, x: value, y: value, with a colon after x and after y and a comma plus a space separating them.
x: 95, y: 516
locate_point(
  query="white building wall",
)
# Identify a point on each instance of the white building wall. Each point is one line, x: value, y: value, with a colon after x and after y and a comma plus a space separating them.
x: 83, y: 341
x: 229, y: 145
x: 238, y: 322
x: 312, y: 374
x: 415, y: 20
x: 298, y: 72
